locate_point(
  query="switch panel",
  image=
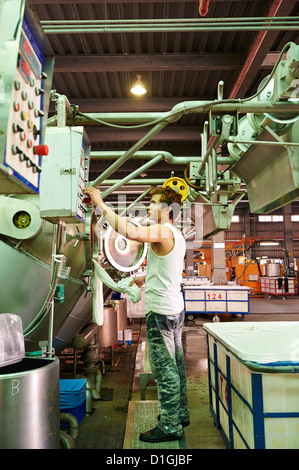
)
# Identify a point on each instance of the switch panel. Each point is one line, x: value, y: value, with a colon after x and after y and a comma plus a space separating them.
x: 22, y: 118
x: 65, y: 175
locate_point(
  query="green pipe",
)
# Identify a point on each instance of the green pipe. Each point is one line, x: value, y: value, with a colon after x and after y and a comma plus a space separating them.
x: 132, y: 175
x: 264, y: 142
x: 134, y: 182
x: 121, y: 26
x: 168, y: 29
x: 129, y: 153
x: 188, y: 107
x: 114, y: 118
x: 139, y: 198
x: 170, y: 20
x: 145, y: 155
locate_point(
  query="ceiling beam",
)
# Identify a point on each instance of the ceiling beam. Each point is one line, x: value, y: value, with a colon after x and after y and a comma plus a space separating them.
x: 145, y: 62
x: 258, y: 52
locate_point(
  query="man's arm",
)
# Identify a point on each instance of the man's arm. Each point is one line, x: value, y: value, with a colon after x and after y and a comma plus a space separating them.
x: 152, y: 234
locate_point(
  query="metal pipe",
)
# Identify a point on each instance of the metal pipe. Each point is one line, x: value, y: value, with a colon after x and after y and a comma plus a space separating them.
x: 189, y: 107
x: 167, y: 20
x: 58, y: 237
x: 139, y: 198
x: 264, y: 142
x: 185, y: 107
x: 213, y: 144
x: 63, y: 108
x: 73, y: 422
x: 127, y: 178
x: 129, y: 153
x: 132, y: 182
x: 174, y: 25
x: 146, y: 155
x: 66, y: 441
x: 84, y: 338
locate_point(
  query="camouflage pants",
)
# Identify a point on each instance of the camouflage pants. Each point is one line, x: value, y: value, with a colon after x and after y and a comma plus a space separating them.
x: 164, y: 337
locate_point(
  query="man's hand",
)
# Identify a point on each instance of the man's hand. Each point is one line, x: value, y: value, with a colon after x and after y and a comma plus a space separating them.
x: 139, y: 281
x: 94, y: 194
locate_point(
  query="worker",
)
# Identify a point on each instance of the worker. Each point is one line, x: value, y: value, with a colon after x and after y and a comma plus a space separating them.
x: 164, y: 306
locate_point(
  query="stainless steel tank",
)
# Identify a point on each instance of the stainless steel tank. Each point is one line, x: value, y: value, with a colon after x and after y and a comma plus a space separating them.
x: 29, y: 404
x: 122, y: 314
x: 108, y: 331
x: 273, y: 269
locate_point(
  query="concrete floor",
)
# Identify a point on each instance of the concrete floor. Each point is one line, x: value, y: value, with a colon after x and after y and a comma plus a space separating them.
x: 109, y: 425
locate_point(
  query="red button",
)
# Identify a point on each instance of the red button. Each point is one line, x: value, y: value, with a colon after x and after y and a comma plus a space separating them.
x: 87, y: 199
x: 41, y: 150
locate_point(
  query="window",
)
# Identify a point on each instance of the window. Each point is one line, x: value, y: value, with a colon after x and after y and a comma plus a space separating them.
x: 235, y: 218
x: 270, y: 218
x: 295, y: 218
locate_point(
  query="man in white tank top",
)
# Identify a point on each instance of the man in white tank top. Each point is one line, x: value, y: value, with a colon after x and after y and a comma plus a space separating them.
x: 164, y: 307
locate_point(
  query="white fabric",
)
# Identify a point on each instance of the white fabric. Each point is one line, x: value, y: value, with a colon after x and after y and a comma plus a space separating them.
x: 163, y: 278
x: 97, y: 301
x: 260, y: 342
x: 122, y: 286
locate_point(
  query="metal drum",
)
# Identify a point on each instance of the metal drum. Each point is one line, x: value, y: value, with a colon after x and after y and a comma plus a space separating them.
x: 108, y: 331
x: 273, y: 269
x: 29, y: 404
x: 122, y: 314
x: 118, y: 254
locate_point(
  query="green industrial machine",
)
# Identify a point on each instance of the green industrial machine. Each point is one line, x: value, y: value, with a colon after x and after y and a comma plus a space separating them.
x: 260, y: 135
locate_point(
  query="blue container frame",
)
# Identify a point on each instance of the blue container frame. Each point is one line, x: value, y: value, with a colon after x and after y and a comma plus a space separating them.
x: 205, y: 300
x: 257, y: 410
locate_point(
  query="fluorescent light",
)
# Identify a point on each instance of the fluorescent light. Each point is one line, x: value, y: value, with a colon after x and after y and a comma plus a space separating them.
x: 268, y: 243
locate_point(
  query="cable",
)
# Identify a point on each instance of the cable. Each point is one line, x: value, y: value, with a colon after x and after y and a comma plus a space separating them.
x: 174, y: 113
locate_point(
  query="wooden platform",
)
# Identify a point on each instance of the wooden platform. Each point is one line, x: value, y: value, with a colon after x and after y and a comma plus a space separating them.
x: 142, y: 416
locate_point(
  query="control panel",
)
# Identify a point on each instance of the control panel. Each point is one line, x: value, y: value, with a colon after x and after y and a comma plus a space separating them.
x: 65, y: 175
x: 23, y: 116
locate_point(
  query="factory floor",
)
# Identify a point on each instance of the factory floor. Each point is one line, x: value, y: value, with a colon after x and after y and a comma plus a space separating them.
x: 120, y: 415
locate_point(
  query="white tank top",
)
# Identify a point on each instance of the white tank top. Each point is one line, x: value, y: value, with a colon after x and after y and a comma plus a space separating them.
x: 163, y: 278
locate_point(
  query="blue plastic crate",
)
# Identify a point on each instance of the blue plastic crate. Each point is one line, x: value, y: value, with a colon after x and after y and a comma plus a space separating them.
x: 79, y: 412
x: 73, y: 397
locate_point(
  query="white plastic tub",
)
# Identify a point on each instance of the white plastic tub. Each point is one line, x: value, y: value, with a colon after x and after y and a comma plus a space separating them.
x: 254, y: 383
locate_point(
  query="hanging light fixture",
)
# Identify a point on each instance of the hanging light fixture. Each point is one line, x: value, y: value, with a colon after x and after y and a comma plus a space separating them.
x: 138, y: 87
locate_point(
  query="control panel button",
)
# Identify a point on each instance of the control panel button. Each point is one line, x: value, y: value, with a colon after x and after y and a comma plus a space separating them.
x: 38, y: 113
x: 41, y: 150
x: 22, y: 136
x: 17, y: 128
x: 15, y: 149
x: 39, y: 91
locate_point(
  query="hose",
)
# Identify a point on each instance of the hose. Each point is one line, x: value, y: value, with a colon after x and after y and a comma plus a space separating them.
x: 58, y: 242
